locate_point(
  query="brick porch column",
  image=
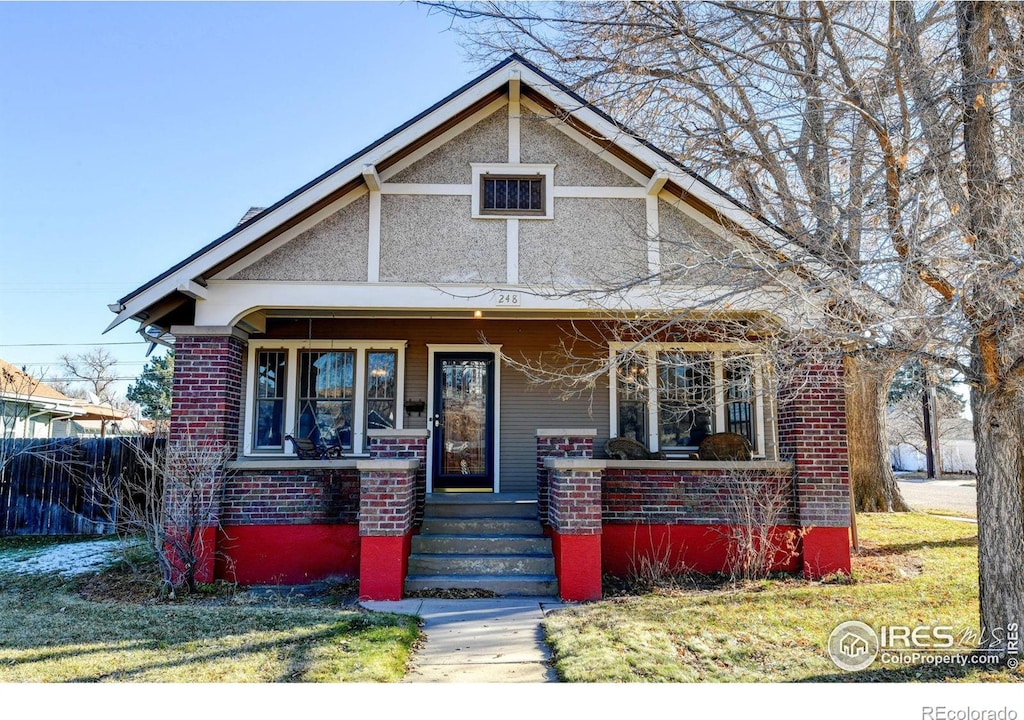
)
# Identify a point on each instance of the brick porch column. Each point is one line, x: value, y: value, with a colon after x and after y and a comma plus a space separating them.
x: 559, y: 442
x: 574, y: 515
x: 391, y: 444
x: 812, y: 433
x: 206, y: 410
x: 387, y: 502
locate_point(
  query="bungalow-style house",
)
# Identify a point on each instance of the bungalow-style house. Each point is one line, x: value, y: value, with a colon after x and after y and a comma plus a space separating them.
x: 373, y: 349
x: 31, y: 409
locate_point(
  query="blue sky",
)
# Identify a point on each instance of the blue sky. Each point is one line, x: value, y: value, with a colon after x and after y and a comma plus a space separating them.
x: 131, y: 134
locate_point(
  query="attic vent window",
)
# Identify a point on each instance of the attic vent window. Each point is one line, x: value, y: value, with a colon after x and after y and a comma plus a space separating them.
x: 512, y: 194
x: 522, y: 191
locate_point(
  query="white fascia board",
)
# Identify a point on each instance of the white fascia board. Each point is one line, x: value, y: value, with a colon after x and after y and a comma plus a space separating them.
x: 311, y: 195
x: 229, y: 301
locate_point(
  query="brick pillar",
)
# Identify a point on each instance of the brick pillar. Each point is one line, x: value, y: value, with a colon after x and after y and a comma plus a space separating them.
x: 812, y: 433
x: 389, y: 444
x: 205, y: 413
x: 387, y: 502
x: 559, y: 443
x: 574, y: 515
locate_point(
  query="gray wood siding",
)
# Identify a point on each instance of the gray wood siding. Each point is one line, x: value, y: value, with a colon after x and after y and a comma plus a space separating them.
x: 525, y: 406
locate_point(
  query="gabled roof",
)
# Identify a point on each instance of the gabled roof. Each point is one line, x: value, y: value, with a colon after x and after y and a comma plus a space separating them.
x: 183, y: 281
x: 17, y: 386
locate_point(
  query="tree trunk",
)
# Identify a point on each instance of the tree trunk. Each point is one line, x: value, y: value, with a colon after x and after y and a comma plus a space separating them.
x: 999, y: 434
x: 871, y: 478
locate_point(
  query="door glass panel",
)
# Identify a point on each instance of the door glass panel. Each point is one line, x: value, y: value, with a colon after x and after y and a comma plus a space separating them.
x: 464, y: 417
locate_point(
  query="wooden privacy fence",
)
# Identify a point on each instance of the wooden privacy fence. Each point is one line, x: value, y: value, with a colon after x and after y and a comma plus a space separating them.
x: 64, y: 486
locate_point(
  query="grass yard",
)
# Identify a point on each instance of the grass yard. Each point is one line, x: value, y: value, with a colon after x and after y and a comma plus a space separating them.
x: 107, y: 629
x: 913, y: 570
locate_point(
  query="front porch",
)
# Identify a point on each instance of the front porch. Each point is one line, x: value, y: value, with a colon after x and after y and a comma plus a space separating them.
x: 290, y: 521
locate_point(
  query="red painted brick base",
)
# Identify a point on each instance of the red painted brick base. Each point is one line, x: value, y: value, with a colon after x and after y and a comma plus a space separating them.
x: 287, y: 554
x: 826, y: 551
x: 696, y: 548
x: 383, y: 560
x: 577, y: 565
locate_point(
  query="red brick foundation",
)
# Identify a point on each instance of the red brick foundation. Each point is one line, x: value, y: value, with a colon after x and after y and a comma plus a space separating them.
x: 387, y: 503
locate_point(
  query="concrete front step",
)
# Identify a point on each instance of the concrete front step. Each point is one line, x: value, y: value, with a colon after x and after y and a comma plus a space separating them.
x: 509, y: 586
x: 463, y: 564
x: 479, y: 526
x: 482, y: 544
x: 476, y: 505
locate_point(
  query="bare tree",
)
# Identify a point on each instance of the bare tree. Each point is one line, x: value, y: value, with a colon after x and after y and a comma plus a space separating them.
x: 883, y: 138
x: 96, y: 371
x: 788, y: 106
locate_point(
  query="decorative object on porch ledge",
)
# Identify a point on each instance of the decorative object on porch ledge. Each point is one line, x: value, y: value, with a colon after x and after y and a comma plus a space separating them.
x: 725, y: 446
x: 629, y: 449
x: 306, y: 449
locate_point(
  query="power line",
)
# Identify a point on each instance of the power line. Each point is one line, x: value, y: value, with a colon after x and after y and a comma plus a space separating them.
x: 76, y: 344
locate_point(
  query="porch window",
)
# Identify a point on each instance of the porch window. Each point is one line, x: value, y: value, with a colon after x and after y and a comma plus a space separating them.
x: 332, y: 395
x: 326, y: 396
x: 380, y: 389
x: 271, y: 371
x: 672, y: 396
x: 686, y: 399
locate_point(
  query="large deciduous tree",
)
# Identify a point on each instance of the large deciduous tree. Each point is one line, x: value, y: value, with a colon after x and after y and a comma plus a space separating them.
x: 885, y: 138
x: 788, y: 106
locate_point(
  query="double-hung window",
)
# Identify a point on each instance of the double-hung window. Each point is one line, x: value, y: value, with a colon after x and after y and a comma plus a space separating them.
x: 670, y: 396
x: 329, y: 392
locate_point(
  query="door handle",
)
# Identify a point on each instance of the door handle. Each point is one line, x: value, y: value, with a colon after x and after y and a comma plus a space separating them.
x: 437, y: 420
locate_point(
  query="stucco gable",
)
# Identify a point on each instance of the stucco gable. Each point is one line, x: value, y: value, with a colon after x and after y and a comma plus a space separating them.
x: 486, y: 141
x: 541, y: 142
x: 334, y: 249
x: 692, y: 253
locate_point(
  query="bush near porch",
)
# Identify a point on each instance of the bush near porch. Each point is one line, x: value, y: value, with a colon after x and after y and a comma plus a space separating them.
x: 913, y: 569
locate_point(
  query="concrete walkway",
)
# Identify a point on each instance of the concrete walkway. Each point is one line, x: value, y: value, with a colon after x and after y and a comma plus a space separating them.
x: 497, y: 640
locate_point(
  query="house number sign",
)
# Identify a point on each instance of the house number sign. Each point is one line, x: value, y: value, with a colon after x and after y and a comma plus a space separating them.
x: 508, y: 299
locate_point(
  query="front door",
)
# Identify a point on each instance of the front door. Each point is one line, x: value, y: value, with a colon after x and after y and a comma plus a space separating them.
x: 463, y: 422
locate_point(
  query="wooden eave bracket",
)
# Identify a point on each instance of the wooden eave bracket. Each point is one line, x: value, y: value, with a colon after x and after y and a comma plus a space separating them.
x: 371, y: 178
x: 192, y: 289
x: 657, y: 182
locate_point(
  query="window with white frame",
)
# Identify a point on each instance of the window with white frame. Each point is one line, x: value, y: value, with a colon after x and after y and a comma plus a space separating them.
x: 331, y: 392
x: 512, y: 190
x: 671, y: 396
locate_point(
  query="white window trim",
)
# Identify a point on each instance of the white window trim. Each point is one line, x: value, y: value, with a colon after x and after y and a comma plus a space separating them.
x: 291, y: 405
x: 718, y: 352
x: 545, y: 171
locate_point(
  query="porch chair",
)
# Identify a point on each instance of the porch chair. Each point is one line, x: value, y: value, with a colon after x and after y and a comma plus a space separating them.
x: 725, y: 446
x: 306, y: 449
x: 628, y: 449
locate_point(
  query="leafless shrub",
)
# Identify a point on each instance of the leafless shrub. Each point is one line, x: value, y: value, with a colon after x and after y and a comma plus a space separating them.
x: 758, y: 541
x: 171, y: 500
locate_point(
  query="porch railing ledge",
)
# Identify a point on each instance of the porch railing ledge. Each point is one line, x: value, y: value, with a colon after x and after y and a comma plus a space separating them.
x: 252, y: 463
x: 560, y: 463
x: 387, y: 464
x: 391, y: 432
x: 562, y: 432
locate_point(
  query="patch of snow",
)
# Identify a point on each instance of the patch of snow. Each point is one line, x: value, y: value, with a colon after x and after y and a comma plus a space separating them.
x: 66, y: 559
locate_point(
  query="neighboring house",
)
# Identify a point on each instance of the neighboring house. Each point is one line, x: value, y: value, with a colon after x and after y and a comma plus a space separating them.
x: 29, y: 408
x: 389, y: 308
